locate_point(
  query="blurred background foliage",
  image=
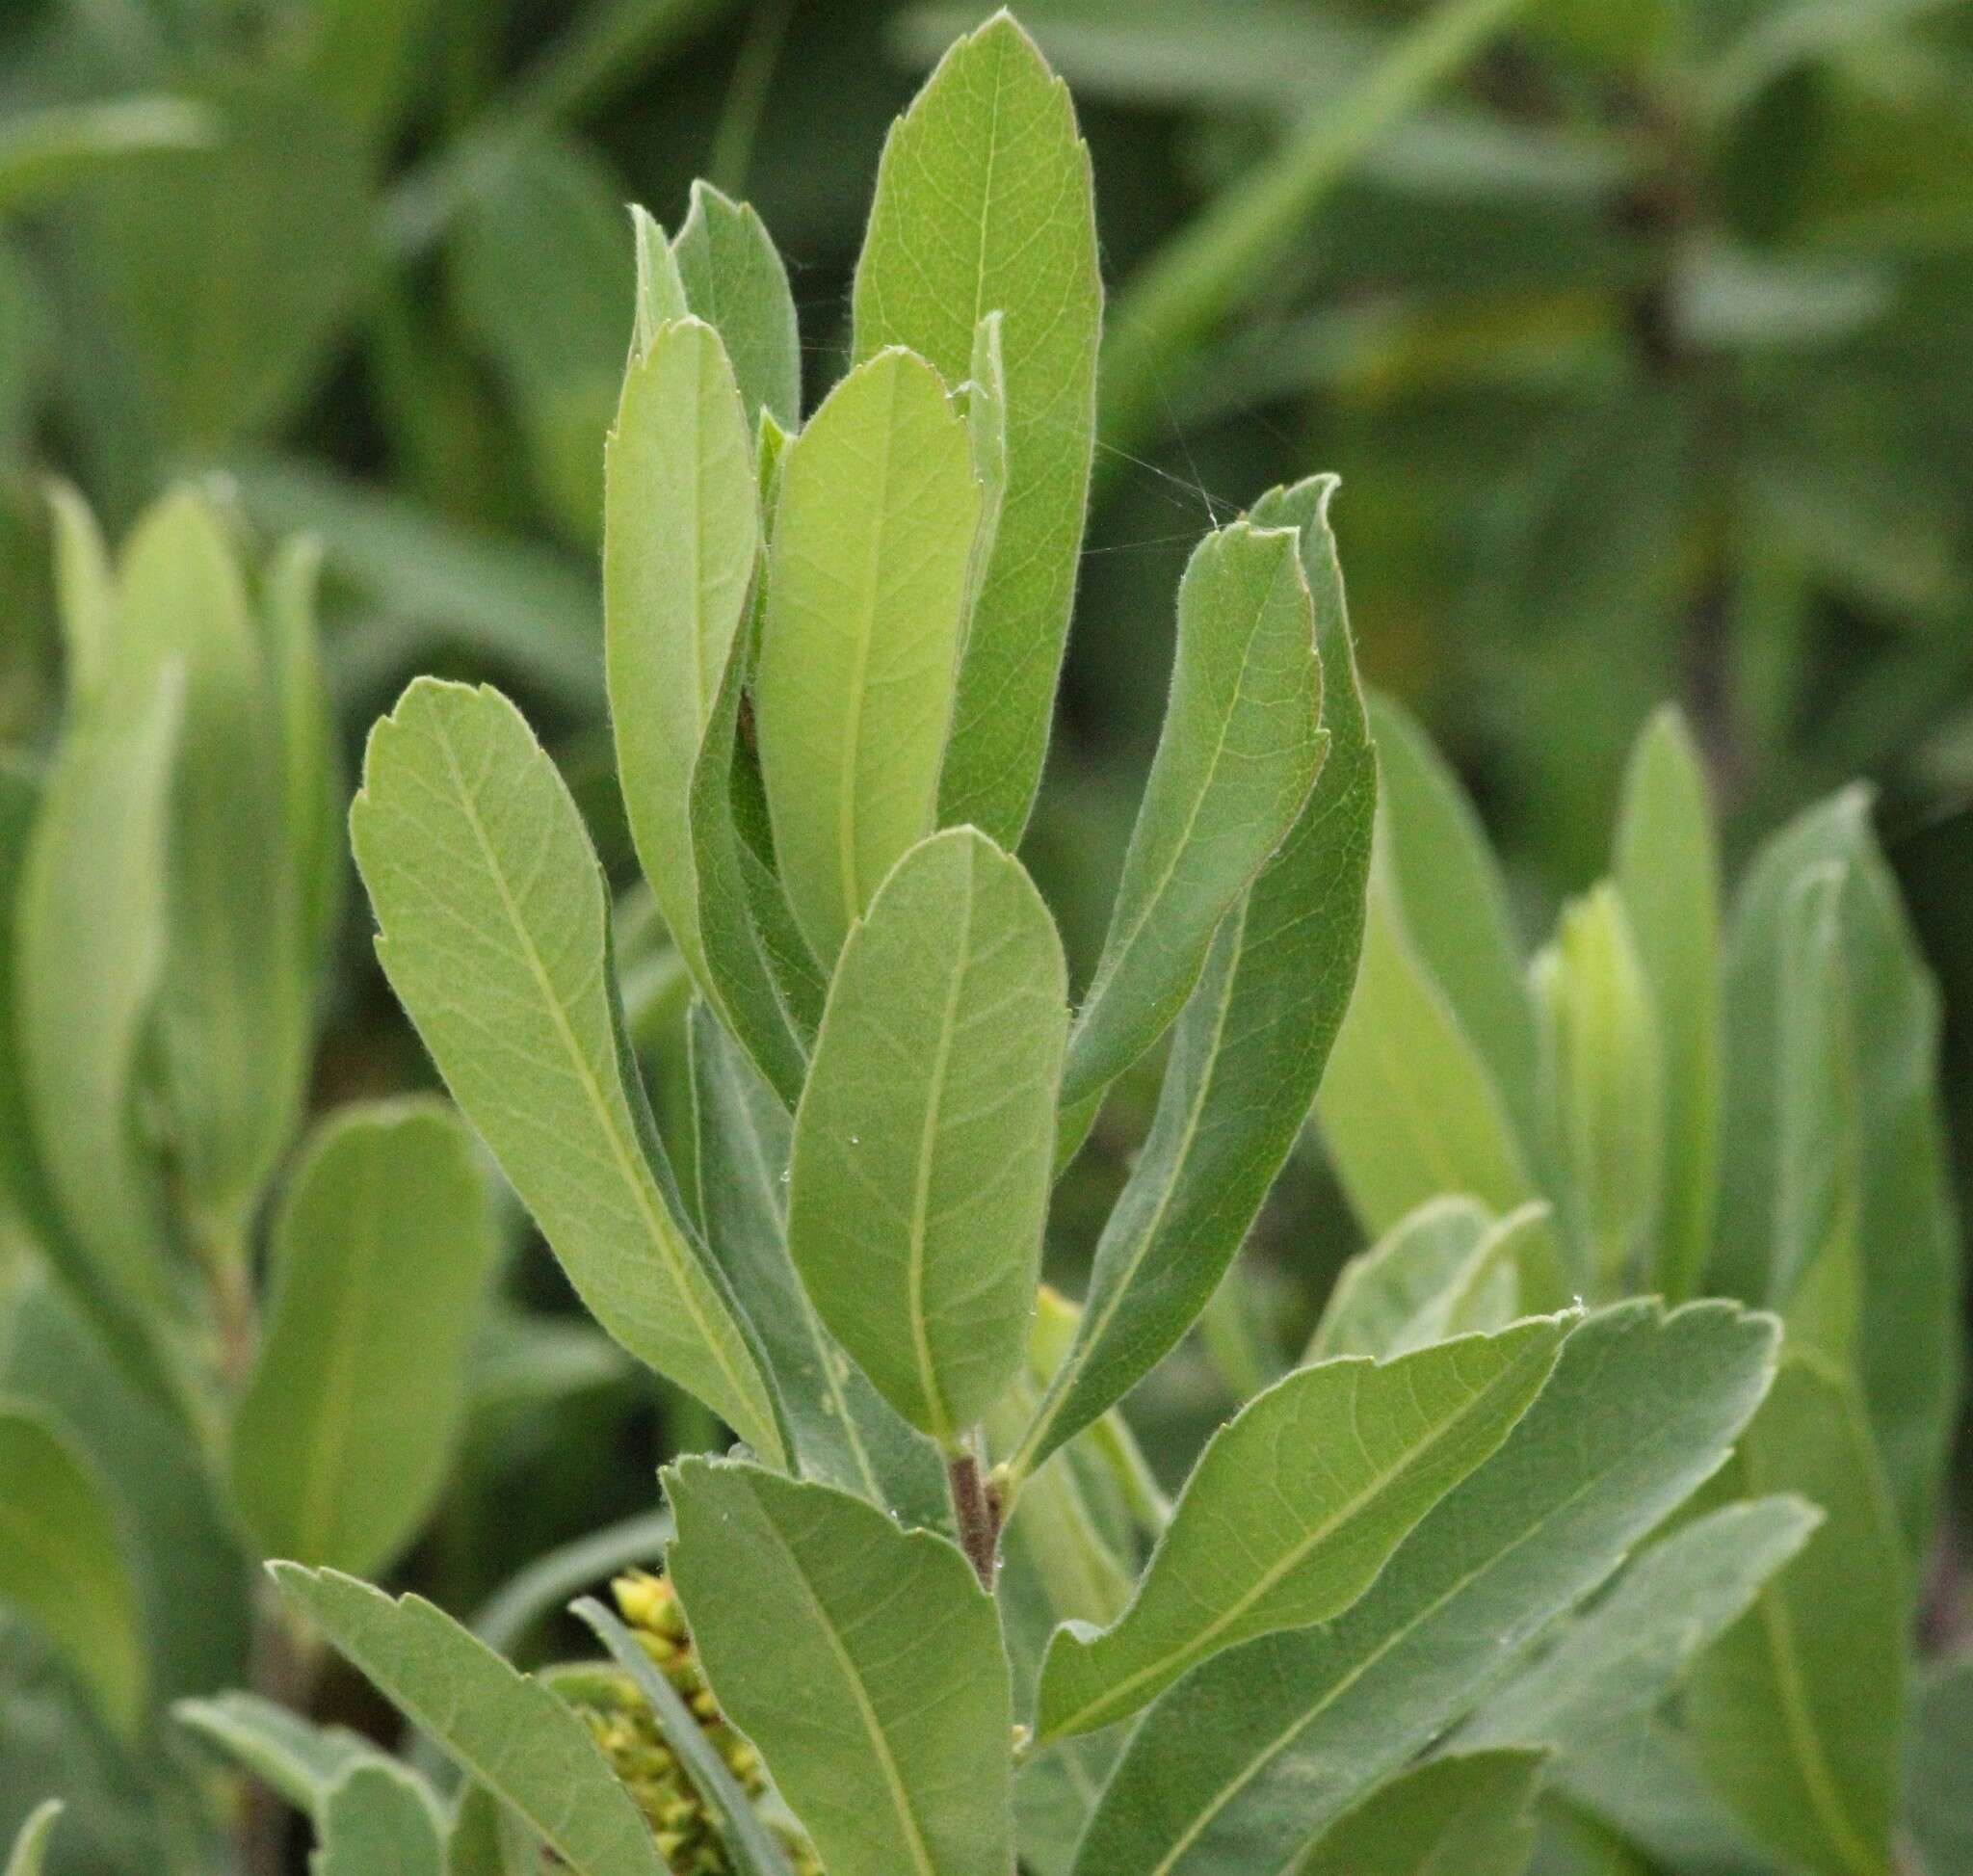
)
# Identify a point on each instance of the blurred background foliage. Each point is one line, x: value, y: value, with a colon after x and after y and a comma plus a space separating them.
x: 1640, y: 334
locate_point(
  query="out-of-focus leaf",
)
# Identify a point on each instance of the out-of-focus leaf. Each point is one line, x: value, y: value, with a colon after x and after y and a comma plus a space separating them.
x: 984, y: 204
x: 292, y: 1756
x: 545, y: 1586
x: 484, y: 882
x: 1799, y: 1711
x: 84, y: 589
x: 1240, y: 748
x: 1284, y: 1522
x: 27, y: 1857
x: 63, y: 1561
x: 378, y: 1821
x: 925, y: 1134
x: 42, y: 152
x: 866, y: 579
x: 382, y: 1255
x: 1667, y: 868
x: 1935, y: 1761
x: 1250, y: 1045
x: 1241, y: 1764
x: 681, y: 536
x: 845, y: 1433
x: 504, y: 1727
x: 883, y: 1711
x: 734, y: 281
x: 1467, y: 1812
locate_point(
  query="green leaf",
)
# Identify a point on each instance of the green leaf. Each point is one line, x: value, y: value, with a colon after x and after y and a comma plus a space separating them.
x: 883, y: 1708
x: 1667, y: 865
x: 90, y: 941
x: 734, y: 281
x: 85, y: 588
x: 1448, y: 1268
x: 378, y: 1821
x: 985, y: 204
x: 1467, y: 1813
x: 746, y: 1840
x: 1239, y: 750
x: 1798, y: 1712
x: 1248, y: 1048
x: 1601, y: 1089
x: 472, y: 1843
x: 1455, y: 905
x: 382, y: 1255
x: 495, y: 934
x: 681, y: 536
x: 292, y: 1756
x: 233, y: 1004
x: 30, y: 1845
x: 44, y: 151
x: 924, y: 1137
x: 1237, y: 1766
x: 866, y: 580
x: 1408, y: 1109
x: 845, y: 1433
x: 63, y: 1562
x: 1935, y: 1761
x: 1617, y: 1663
x: 1287, y: 1520
x: 504, y: 1727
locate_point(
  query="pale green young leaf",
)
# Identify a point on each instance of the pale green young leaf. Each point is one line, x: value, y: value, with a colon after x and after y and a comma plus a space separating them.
x: 30, y: 1850
x: 382, y: 1255
x: 294, y: 1757
x: 495, y: 934
x: 660, y: 293
x: 1617, y: 1663
x: 985, y: 204
x: 1409, y: 1108
x: 1248, y: 1048
x: 90, y: 942
x: 1935, y: 1761
x: 1239, y: 750
x: 681, y: 534
x: 924, y: 1137
x: 734, y: 281
x: 85, y: 590
x: 883, y: 1709
x: 1287, y: 1519
x: 63, y: 1563
x: 1908, y: 1338
x: 1241, y: 1764
x: 844, y: 1431
x: 1463, y: 1814
x: 746, y: 1840
x: 378, y: 1821
x: 1456, y: 906
x: 1601, y: 1089
x: 859, y: 640
x: 505, y: 1728
x: 1666, y: 866
x: 1799, y: 1711
x: 231, y: 1024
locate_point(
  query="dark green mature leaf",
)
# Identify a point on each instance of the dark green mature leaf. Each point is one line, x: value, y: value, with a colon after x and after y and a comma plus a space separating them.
x: 1237, y: 1767
x: 871, y: 534
x: 1907, y: 1340
x: 734, y: 281
x: 985, y: 204
x: 378, y: 1821
x: 1666, y: 866
x: 1935, y: 1761
x: 681, y: 537
x: 1249, y: 1047
x: 62, y: 1560
x: 925, y: 1134
x: 1798, y: 1712
x: 1285, y: 1521
x: 746, y: 1840
x: 1239, y: 750
x: 1466, y: 1815
x: 845, y: 1433
x: 301, y: 1761
x: 1617, y: 1663
x: 504, y: 1727
x: 883, y: 1709
x: 489, y: 898
x: 381, y: 1255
